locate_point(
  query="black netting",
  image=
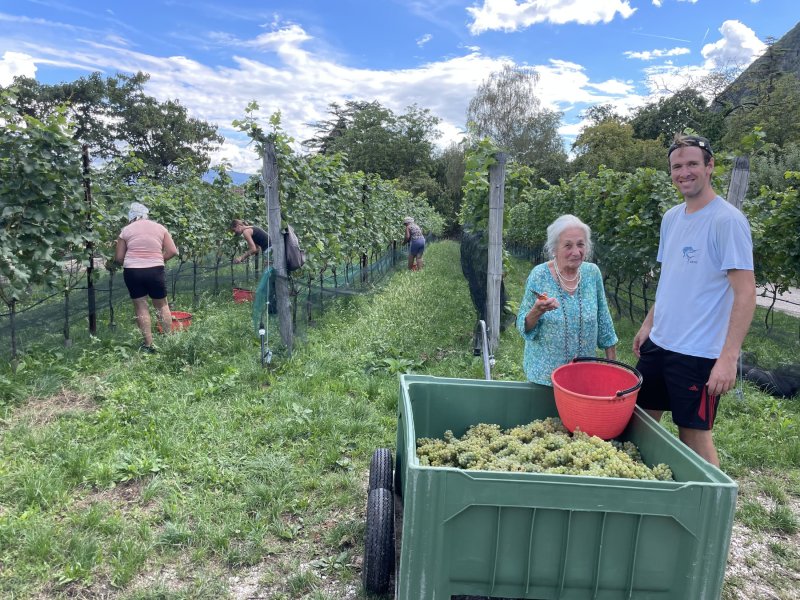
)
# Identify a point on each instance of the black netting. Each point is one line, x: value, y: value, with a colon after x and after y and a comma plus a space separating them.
x: 474, y: 265
x: 53, y: 317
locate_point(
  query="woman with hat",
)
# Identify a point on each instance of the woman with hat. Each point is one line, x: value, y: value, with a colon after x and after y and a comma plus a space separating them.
x: 416, y: 242
x: 143, y: 247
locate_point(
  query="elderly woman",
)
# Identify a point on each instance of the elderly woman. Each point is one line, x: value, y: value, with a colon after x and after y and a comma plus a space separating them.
x: 564, y: 312
x: 143, y: 247
x: 416, y: 242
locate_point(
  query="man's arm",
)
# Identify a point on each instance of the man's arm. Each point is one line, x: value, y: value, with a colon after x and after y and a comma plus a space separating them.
x: 644, y: 331
x: 723, y: 375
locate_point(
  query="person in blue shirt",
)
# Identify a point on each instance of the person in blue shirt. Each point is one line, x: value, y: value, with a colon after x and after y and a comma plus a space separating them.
x: 564, y: 312
x: 689, y: 342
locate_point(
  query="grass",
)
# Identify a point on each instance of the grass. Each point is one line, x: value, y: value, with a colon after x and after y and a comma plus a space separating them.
x: 196, y: 473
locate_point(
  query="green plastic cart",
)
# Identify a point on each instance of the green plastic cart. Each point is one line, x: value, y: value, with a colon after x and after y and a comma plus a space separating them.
x: 538, y: 536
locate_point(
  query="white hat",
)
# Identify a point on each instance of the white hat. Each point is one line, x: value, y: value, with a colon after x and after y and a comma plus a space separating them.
x: 137, y: 211
x: 408, y: 220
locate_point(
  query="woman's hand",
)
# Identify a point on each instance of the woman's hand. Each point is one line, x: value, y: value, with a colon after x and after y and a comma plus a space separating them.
x: 543, y: 304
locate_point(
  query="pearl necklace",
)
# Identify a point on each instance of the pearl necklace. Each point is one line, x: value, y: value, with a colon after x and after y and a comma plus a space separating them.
x: 564, y: 282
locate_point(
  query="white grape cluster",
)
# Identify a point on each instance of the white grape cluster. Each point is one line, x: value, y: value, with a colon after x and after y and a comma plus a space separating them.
x: 542, y: 446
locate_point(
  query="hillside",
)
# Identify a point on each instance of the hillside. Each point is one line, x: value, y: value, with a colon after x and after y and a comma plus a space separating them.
x: 781, y: 58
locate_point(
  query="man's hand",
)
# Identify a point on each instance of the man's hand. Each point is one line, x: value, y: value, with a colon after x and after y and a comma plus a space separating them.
x: 237, y: 260
x: 639, y: 339
x: 722, y: 378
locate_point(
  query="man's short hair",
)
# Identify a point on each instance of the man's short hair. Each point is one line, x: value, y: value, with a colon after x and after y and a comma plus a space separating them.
x: 688, y: 141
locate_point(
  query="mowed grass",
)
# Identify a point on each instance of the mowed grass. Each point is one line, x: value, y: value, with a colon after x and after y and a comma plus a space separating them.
x: 196, y: 473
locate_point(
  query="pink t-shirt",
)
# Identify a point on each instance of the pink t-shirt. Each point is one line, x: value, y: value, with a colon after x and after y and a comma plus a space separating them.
x: 145, y: 243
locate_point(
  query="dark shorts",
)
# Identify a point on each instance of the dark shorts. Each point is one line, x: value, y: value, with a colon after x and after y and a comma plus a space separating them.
x: 677, y: 383
x: 417, y: 247
x: 150, y: 281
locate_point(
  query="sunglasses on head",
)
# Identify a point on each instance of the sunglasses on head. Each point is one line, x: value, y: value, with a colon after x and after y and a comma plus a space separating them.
x: 691, y: 140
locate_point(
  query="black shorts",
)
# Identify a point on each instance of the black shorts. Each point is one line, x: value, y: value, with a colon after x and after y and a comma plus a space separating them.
x: 677, y: 383
x: 149, y: 281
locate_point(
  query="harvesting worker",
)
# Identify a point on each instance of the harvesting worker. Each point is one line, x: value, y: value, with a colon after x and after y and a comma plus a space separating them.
x: 416, y: 244
x: 143, y: 247
x: 689, y: 342
x: 257, y: 239
x: 564, y: 312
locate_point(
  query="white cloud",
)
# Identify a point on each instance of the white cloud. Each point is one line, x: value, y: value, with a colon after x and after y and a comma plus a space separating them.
x: 657, y: 3
x: 424, y: 40
x: 16, y: 64
x: 738, y: 47
x: 509, y: 15
x: 654, y: 54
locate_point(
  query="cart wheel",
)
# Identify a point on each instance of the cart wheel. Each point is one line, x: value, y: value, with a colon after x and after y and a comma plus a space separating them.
x: 379, y: 541
x: 380, y: 470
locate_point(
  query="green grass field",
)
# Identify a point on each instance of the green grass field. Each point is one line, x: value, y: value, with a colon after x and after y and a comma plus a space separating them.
x: 196, y: 473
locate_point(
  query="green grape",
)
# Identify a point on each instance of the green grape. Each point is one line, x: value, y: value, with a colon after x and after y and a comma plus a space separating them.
x: 542, y: 446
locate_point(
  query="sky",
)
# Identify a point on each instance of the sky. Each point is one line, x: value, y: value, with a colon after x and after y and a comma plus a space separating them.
x: 299, y: 56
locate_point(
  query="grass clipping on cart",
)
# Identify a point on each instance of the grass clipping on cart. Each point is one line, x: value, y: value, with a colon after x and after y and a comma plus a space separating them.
x: 542, y: 446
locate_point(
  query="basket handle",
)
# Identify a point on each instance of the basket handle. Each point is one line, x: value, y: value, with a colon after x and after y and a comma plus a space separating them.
x: 617, y: 363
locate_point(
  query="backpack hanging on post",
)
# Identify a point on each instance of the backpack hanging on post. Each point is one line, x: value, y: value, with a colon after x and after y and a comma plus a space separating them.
x: 295, y: 257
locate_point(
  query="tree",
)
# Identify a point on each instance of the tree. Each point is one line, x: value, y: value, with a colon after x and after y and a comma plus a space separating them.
x: 450, y: 166
x: 776, y: 112
x: 673, y: 114
x: 505, y: 110
x: 376, y: 140
x: 115, y: 117
x: 611, y: 143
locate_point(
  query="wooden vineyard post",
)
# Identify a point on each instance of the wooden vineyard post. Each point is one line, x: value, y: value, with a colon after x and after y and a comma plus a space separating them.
x: 273, y: 205
x: 740, y: 177
x: 494, y: 272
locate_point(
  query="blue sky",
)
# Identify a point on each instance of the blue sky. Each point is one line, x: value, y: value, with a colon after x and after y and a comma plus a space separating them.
x: 298, y: 56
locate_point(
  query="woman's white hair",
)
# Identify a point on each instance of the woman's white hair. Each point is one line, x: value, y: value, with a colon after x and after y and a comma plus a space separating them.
x: 557, y: 227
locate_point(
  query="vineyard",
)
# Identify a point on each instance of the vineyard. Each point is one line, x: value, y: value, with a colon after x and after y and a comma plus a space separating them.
x: 61, y: 215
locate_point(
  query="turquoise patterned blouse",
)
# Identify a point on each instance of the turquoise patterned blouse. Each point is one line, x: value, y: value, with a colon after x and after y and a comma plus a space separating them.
x: 587, y: 318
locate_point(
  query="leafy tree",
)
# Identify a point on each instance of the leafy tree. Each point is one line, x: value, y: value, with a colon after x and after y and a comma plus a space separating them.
x: 376, y: 140
x: 115, y: 117
x: 449, y: 167
x: 666, y: 116
x: 611, y: 143
x: 777, y: 113
x: 506, y: 110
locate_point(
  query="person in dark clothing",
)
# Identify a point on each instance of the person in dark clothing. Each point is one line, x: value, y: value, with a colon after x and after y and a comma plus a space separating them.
x: 256, y: 238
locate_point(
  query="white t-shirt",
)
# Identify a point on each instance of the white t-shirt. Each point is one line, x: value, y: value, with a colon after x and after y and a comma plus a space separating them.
x: 694, y: 298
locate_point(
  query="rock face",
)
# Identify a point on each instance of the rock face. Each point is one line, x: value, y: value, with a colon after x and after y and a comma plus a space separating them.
x: 780, y: 58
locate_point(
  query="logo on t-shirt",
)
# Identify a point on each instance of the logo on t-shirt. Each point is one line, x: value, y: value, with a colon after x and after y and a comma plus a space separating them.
x: 690, y: 254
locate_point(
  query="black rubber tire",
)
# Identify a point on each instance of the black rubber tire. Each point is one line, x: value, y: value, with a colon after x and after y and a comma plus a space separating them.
x: 379, y: 541
x: 380, y: 470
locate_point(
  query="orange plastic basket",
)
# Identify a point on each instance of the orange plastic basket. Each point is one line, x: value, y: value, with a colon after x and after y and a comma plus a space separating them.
x: 596, y: 395
x: 180, y: 320
x: 242, y: 295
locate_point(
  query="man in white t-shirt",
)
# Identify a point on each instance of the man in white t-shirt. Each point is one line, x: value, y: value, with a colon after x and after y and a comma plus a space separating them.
x: 689, y: 343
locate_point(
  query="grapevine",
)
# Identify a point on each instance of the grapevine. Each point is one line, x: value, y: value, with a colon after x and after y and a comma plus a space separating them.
x: 542, y: 446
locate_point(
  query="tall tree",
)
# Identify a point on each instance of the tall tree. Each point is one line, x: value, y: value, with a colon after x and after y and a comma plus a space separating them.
x: 376, y: 140
x: 670, y: 115
x: 114, y: 116
x: 506, y: 110
x: 611, y: 143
